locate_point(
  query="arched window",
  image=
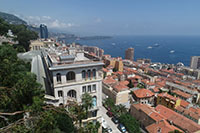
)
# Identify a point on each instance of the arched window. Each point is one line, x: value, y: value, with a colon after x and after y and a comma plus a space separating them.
x: 94, y: 73
x: 70, y: 76
x: 72, y: 94
x: 89, y: 73
x: 94, y: 101
x: 58, y: 77
x: 83, y: 74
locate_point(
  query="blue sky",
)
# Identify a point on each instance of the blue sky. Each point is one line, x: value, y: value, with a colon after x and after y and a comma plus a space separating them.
x: 111, y: 17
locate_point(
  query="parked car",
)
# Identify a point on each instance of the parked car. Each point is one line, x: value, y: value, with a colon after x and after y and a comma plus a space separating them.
x: 109, y: 130
x: 122, y: 128
x: 109, y: 113
x: 115, y: 120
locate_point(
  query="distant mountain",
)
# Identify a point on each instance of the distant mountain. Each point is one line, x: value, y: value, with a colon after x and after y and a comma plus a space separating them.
x: 12, y: 19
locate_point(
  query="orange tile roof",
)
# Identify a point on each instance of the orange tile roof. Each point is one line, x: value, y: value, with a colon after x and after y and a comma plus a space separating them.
x: 178, y: 120
x: 156, y: 89
x: 184, y: 103
x: 109, y: 81
x: 163, y: 126
x: 161, y: 84
x: 166, y: 95
x: 137, y: 77
x: 143, y: 93
x: 145, y: 108
x: 120, y: 87
x: 105, y: 70
x: 151, y: 83
x: 124, y: 82
x: 181, y: 93
x: 156, y: 116
x: 145, y: 81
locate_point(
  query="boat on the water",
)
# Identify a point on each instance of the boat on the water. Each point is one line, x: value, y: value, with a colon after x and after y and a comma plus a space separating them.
x: 113, y: 43
x: 156, y: 45
x: 172, y: 51
x: 149, y: 47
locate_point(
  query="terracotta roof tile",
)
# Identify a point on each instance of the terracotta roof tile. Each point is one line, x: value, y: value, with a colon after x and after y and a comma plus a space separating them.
x: 143, y: 93
x: 109, y: 81
x: 184, y: 103
x: 162, y: 126
x: 178, y: 120
x: 124, y: 82
x: 166, y: 95
x: 120, y: 87
x: 181, y: 93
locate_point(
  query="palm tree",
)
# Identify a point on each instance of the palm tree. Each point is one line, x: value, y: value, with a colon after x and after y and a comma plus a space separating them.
x: 121, y: 109
x: 87, y: 102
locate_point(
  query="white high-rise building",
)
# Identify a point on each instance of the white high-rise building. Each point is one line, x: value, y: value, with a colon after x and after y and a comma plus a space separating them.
x: 195, y: 62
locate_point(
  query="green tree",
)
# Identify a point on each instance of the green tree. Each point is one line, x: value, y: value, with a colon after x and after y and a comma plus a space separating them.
x: 130, y: 123
x: 130, y: 85
x: 21, y: 95
x: 87, y: 102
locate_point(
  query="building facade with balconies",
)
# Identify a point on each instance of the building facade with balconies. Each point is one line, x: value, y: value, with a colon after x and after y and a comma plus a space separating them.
x: 72, y: 73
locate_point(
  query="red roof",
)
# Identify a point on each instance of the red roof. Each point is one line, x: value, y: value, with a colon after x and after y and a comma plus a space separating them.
x: 120, y: 87
x: 181, y: 93
x: 178, y: 120
x: 109, y: 81
x: 156, y: 89
x: 162, y: 126
x: 184, y: 103
x: 124, y: 82
x: 166, y: 95
x: 143, y: 93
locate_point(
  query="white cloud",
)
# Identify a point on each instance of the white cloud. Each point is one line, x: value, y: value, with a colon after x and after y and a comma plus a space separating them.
x: 49, y: 21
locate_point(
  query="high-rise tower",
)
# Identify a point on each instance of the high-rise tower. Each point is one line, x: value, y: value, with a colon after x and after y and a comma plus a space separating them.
x: 129, y: 54
x: 195, y: 62
x: 43, y: 31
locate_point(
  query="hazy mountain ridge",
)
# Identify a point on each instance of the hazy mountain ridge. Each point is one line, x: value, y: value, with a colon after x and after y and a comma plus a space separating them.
x: 12, y: 19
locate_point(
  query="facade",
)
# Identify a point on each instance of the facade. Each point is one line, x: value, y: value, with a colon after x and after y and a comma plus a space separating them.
x: 195, y: 62
x: 91, y: 49
x: 72, y: 73
x: 168, y: 100
x: 117, y: 91
x: 116, y: 63
x: 144, y: 96
x: 145, y: 114
x: 129, y: 54
x: 43, y: 31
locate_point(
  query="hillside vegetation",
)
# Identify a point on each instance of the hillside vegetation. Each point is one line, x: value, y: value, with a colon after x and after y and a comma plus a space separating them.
x: 23, y: 34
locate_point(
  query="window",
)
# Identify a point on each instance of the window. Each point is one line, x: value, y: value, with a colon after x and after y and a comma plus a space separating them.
x: 58, y: 77
x: 70, y: 76
x: 93, y: 88
x: 84, y: 89
x: 72, y: 93
x: 60, y: 93
x: 89, y: 73
x: 94, y: 73
x: 83, y: 74
x: 89, y: 88
x: 94, y: 113
x: 94, y: 101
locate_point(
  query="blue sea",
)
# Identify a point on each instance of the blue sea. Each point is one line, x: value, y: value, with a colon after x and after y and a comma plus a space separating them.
x: 164, y: 49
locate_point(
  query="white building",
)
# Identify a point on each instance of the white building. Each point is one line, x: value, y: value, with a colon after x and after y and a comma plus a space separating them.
x: 72, y: 73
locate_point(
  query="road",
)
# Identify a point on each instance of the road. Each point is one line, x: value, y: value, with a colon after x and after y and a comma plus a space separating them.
x: 109, y: 121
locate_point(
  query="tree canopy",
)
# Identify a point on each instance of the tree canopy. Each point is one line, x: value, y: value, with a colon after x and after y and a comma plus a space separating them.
x: 22, y: 107
x: 24, y: 35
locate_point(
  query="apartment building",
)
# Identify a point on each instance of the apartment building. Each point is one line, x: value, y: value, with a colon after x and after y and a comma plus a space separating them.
x: 73, y: 72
